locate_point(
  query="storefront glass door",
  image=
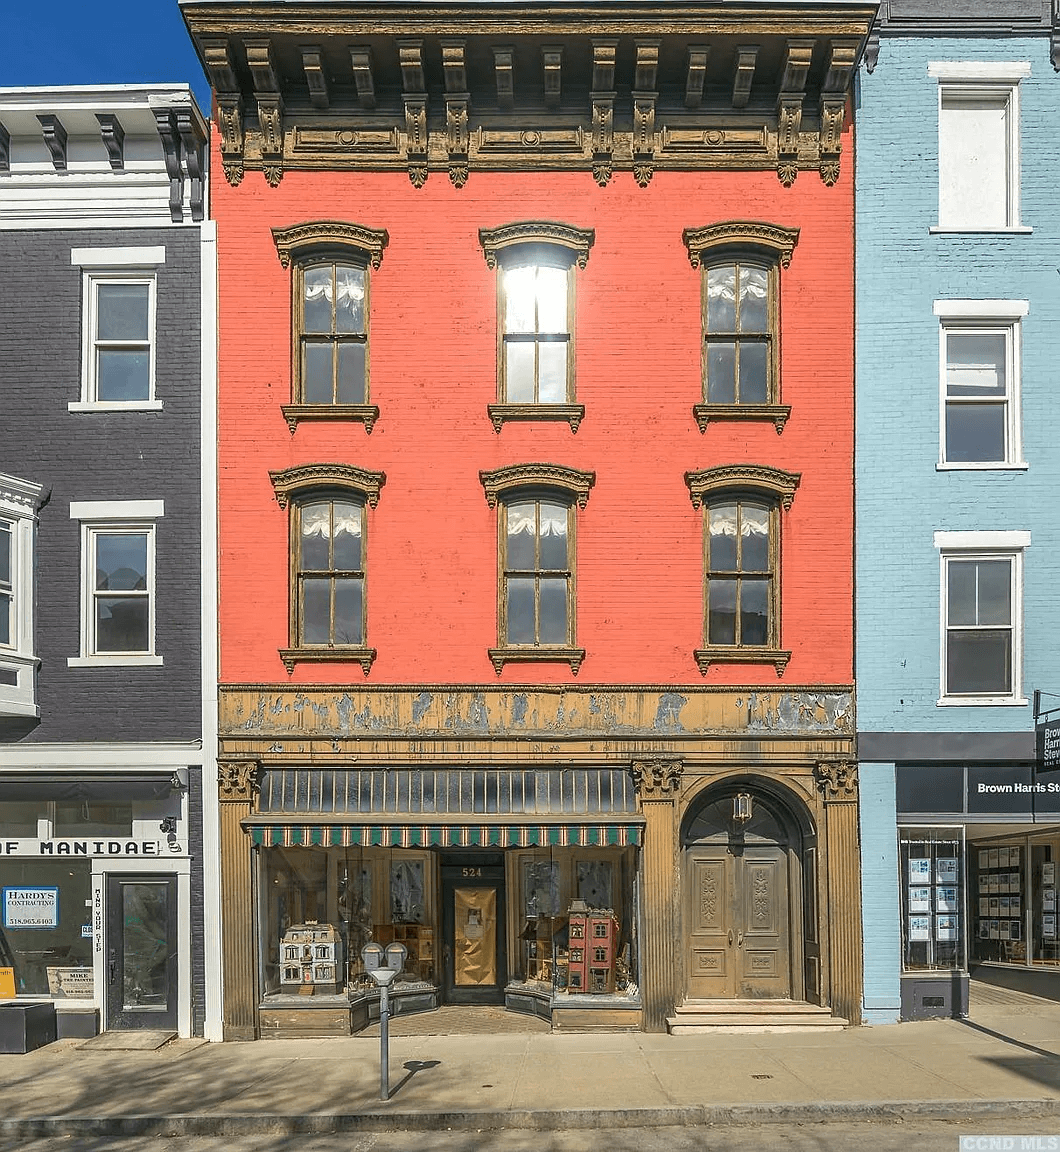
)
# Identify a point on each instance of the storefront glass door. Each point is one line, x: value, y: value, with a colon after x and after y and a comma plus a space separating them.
x: 141, y: 976
x: 473, y: 934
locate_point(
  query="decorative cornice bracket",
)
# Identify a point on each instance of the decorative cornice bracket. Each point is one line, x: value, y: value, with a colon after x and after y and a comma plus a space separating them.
x: 194, y: 143
x: 166, y: 123
x: 5, y: 151
x: 746, y: 58
x: 698, y: 56
x: 572, y: 481
x: 113, y: 135
x: 552, y: 74
x: 657, y: 779
x: 55, y: 139
x: 504, y: 75
x: 603, y: 109
x: 837, y: 780
x: 361, y: 62
x: 237, y: 780
x: 457, y: 111
x: 270, y: 107
x: 315, y: 77
x: 414, y: 96
x: 644, y: 100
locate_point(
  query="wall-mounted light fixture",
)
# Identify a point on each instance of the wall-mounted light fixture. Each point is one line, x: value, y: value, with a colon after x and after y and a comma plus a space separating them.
x: 741, y: 808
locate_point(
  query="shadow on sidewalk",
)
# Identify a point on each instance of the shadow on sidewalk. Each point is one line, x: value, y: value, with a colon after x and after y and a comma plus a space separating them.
x: 1040, y: 1067
x: 413, y: 1067
x: 1008, y: 1039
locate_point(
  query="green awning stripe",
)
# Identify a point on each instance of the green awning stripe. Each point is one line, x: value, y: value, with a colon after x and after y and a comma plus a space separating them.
x: 445, y: 835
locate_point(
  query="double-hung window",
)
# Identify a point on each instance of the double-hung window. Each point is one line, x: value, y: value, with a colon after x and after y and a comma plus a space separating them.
x: 536, y: 561
x: 118, y: 320
x: 982, y: 580
x: 332, y: 264
x: 19, y: 503
x: 328, y: 561
x: 741, y: 562
x: 979, y: 349
x: 118, y: 592
x: 535, y: 265
x: 979, y: 165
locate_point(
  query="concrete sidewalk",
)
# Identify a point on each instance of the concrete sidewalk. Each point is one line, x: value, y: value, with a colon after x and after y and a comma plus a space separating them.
x: 1005, y: 1060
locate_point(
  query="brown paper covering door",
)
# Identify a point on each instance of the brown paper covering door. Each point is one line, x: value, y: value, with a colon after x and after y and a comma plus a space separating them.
x: 474, y: 937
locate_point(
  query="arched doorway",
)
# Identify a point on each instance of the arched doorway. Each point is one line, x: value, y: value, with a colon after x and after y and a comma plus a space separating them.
x: 744, y: 912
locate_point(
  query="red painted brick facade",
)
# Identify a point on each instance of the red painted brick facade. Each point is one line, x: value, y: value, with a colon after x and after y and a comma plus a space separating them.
x: 432, y: 541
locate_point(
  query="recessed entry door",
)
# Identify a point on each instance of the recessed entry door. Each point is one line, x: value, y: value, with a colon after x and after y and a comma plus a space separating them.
x: 739, y: 946
x: 473, y: 935
x: 142, y: 959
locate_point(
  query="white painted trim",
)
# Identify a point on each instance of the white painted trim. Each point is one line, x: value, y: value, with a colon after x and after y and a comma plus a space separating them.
x: 1018, y: 466
x: 1017, y: 228
x: 114, y: 661
x: 211, y: 816
x: 980, y: 702
x: 87, y: 758
x: 91, y: 282
x: 114, y: 406
x: 981, y: 309
x: 20, y: 501
x: 117, y: 257
x: 993, y: 71
x: 117, y: 509
x: 985, y: 541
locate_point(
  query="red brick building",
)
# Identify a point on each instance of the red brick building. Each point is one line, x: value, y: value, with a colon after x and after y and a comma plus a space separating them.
x: 535, y: 450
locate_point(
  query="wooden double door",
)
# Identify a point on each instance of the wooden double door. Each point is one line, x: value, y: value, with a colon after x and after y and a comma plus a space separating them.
x: 737, y: 911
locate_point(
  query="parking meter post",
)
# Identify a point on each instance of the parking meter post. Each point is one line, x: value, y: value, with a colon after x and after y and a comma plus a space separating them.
x: 384, y: 1042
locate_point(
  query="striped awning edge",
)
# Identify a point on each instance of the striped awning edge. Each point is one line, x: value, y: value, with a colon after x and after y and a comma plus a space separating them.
x: 444, y: 835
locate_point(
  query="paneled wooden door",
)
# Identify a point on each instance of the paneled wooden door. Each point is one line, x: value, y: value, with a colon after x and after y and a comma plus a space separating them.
x: 739, y: 942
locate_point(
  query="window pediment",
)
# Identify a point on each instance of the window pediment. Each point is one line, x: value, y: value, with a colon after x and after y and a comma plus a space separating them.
x: 773, y: 240
x: 772, y: 483
x: 355, y: 240
x: 315, y: 477
x: 543, y: 233
x: 572, y: 482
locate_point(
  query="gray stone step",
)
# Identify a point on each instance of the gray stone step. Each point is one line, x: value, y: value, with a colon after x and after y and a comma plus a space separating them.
x: 751, y: 1016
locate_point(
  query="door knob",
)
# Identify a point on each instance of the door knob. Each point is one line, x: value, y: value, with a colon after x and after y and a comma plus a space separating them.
x: 112, y: 965
x: 730, y: 937
x: 739, y: 939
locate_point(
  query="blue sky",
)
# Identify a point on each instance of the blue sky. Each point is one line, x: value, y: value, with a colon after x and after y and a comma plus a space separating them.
x: 97, y: 42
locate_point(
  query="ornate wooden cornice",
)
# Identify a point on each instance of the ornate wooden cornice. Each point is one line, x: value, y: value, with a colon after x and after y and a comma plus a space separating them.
x: 576, y: 241
x: 779, y: 242
x: 571, y: 481
x: 837, y: 779
x: 637, y: 88
x: 308, y: 477
x: 657, y: 779
x: 743, y: 478
x: 237, y: 780
x: 366, y: 243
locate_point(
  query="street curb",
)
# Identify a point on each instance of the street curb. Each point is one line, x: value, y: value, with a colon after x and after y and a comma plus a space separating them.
x: 710, y: 1115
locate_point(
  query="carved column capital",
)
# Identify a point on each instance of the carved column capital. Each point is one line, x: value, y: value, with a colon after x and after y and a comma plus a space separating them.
x: 837, y: 780
x: 237, y: 780
x: 657, y: 779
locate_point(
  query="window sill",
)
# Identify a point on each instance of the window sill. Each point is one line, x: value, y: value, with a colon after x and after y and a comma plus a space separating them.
x: 777, y: 414
x: 337, y: 655
x: 114, y: 406
x: 937, y: 229
x: 573, y: 414
x: 970, y: 466
x: 114, y: 662
x: 571, y: 656
x: 981, y: 702
x: 725, y: 655
x: 366, y: 414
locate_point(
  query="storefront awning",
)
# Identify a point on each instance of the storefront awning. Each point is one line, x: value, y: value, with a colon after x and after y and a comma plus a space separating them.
x: 444, y: 835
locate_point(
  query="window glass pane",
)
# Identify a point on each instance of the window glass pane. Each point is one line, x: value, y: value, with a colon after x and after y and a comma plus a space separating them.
x: 5, y: 620
x: 553, y: 611
x: 316, y: 611
x: 552, y: 373
x: 348, y: 615
x: 316, y: 535
x: 519, y: 372
x: 122, y: 312
x: 960, y: 594
x: 317, y: 298
x: 721, y: 298
x: 347, y: 546
x: 552, y: 300
x: 123, y: 374
x: 975, y: 432
x: 522, y: 530
x: 519, y: 299
x: 520, y: 610
x: 351, y: 374
x: 5, y: 555
x: 145, y: 945
x: 20, y: 817
x: 88, y: 818
x: 754, y: 300
x: 754, y: 612
x: 121, y: 561
x: 975, y: 364
x: 553, y: 546
x: 721, y: 373
x: 722, y: 538
x: 349, y: 299
x: 721, y: 622
x: 979, y: 662
x: 317, y: 383
x: 754, y: 530
x: 122, y: 625
x: 995, y: 590
x: 753, y: 373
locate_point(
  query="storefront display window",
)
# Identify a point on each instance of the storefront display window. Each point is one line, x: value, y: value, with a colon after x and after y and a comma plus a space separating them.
x: 932, y: 885
x: 85, y: 818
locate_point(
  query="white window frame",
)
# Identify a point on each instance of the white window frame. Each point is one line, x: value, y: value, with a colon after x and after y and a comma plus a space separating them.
x: 100, y: 517
x: 1005, y: 545
x: 20, y: 501
x: 991, y: 80
x: 987, y: 317
x: 115, y: 266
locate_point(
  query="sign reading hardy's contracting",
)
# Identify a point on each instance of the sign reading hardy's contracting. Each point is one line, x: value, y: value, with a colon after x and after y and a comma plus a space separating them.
x: 125, y: 847
x: 1047, y: 735
x: 29, y: 907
